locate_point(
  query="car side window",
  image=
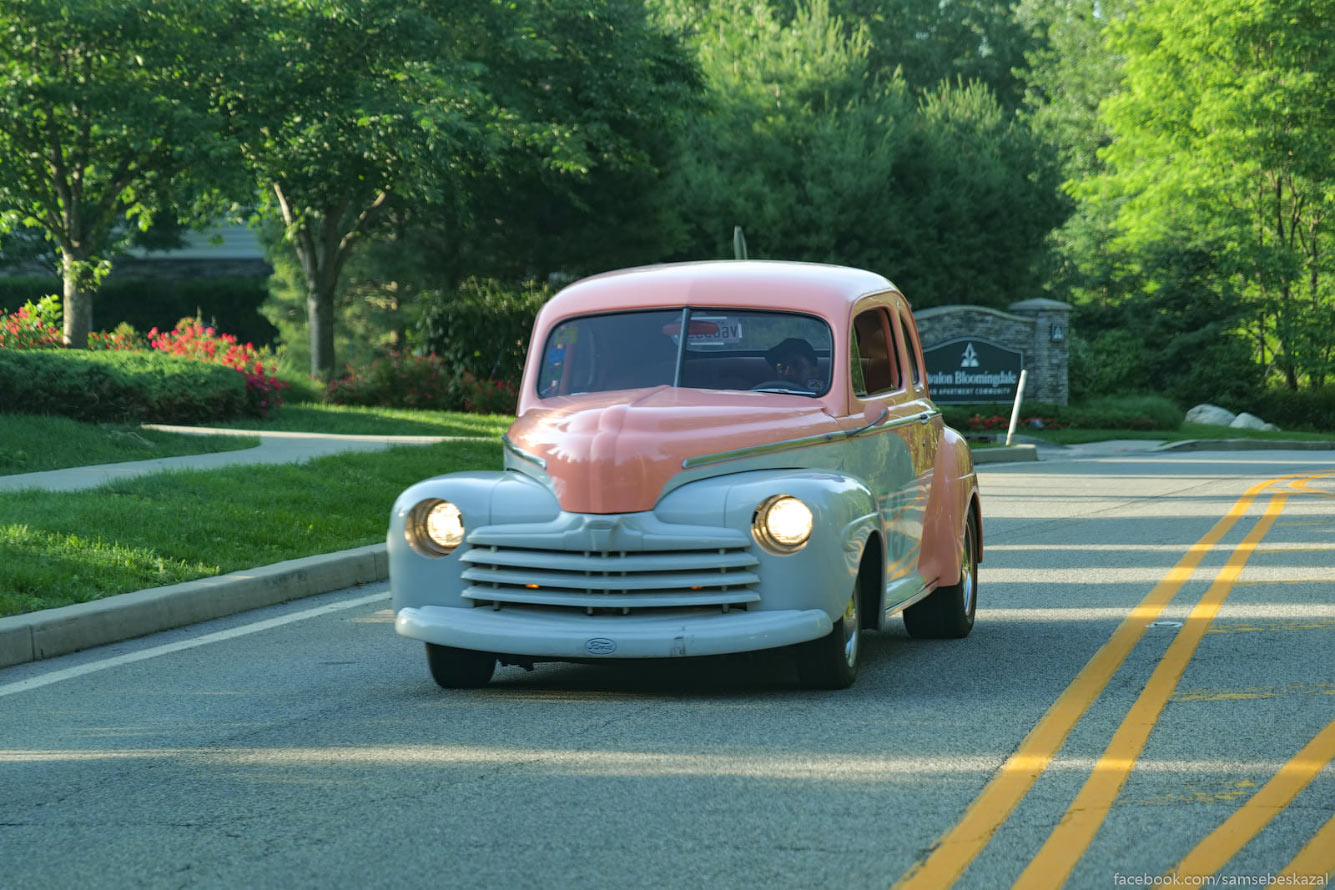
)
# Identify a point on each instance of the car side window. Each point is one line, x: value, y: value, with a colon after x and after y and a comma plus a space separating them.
x: 873, y: 354
x: 907, y: 332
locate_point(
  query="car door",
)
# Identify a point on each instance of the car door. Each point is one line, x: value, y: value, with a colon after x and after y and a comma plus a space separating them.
x: 889, y: 454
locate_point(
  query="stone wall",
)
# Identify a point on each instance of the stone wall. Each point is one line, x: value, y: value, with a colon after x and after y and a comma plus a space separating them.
x: 1038, y: 328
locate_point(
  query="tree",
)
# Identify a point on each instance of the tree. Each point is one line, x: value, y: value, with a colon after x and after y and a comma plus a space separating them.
x: 457, y: 111
x: 103, y: 126
x: 930, y: 41
x: 1221, y: 143
x: 819, y: 159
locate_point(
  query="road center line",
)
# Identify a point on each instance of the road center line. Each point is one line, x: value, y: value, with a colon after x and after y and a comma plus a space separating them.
x: 1222, y: 844
x: 958, y: 847
x: 168, y: 648
x: 1066, y: 845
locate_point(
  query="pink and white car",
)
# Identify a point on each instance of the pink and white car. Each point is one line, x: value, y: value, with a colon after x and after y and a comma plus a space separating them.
x: 709, y: 458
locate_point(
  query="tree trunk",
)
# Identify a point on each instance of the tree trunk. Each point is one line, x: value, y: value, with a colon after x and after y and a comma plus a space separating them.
x: 320, y: 315
x: 76, y: 304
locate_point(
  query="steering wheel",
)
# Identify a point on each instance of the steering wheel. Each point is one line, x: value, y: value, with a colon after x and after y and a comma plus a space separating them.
x: 780, y: 384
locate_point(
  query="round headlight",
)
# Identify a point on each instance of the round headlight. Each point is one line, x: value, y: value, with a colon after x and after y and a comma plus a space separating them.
x: 782, y: 524
x: 435, y: 527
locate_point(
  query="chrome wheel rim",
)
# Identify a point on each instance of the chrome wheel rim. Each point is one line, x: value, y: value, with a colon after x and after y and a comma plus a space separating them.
x: 851, y: 631
x: 967, y: 580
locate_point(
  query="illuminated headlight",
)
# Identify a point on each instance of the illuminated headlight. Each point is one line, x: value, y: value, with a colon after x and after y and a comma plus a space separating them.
x: 782, y: 524
x: 434, y: 527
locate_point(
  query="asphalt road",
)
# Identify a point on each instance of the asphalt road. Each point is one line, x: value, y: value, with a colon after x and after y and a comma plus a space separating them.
x: 1150, y: 686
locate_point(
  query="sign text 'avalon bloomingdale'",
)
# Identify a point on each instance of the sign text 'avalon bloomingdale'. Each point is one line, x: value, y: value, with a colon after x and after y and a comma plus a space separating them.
x: 970, y: 369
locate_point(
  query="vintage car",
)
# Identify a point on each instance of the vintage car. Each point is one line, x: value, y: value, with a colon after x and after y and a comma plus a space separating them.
x: 709, y: 458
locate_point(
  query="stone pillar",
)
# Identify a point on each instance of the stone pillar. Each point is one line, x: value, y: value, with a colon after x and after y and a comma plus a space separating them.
x: 1048, y: 359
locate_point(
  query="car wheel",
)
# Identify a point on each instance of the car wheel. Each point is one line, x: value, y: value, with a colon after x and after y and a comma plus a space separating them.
x: 459, y: 668
x: 948, y: 613
x: 832, y: 661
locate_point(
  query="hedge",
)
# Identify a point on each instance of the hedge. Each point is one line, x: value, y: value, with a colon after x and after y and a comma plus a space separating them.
x: 118, y: 386
x: 1108, y: 413
x: 231, y: 304
x: 1288, y: 409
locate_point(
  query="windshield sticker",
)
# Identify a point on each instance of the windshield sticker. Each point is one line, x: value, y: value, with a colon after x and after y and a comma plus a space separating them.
x: 708, y: 330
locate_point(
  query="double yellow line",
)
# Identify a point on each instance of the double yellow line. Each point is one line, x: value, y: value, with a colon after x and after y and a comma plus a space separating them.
x: 1050, y: 868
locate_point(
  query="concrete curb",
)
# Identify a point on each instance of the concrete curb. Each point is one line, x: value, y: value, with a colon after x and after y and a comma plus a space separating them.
x: 1005, y: 453
x: 1246, y: 445
x: 53, y: 632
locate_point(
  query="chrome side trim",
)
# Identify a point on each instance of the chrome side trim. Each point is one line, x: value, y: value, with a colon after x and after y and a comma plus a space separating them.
x: 805, y: 441
x: 521, y: 454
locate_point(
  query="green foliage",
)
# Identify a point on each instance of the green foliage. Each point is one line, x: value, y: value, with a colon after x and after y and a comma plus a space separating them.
x: 1220, y: 143
x: 523, y: 138
x: 1307, y: 409
x: 32, y: 325
x: 104, y: 125
x: 1131, y: 412
x: 118, y: 386
x: 819, y: 157
x: 410, y: 381
x: 482, y: 327
x: 231, y: 304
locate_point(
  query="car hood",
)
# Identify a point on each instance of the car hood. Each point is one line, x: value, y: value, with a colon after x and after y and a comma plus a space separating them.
x: 614, y: 452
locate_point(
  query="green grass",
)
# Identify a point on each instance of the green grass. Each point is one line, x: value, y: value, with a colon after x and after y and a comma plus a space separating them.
x: 63, y: 548
x: 31, y: 443
x: 351, y: 420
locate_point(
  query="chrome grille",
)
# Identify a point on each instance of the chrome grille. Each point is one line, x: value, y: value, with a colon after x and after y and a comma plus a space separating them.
x: 621, y: 580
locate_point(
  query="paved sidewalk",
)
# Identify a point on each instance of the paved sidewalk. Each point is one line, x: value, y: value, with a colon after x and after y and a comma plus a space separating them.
x: 274, y: 448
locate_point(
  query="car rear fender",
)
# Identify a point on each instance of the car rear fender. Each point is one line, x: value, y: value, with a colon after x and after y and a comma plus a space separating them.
x: 954, y: 493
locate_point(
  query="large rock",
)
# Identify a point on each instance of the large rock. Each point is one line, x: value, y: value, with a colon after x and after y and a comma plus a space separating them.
x: 1212, y: 415
x: 1245, y: 421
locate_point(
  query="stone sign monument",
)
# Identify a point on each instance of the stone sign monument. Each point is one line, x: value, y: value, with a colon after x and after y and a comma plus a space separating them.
x: 975, y: 354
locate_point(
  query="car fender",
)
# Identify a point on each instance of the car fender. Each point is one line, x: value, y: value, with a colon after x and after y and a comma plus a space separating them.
x: 954, y: 492
x: 484, y: 498
x: 823, y: 572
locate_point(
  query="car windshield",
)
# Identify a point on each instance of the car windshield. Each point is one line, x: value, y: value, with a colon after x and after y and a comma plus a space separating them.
x: 729, y: 349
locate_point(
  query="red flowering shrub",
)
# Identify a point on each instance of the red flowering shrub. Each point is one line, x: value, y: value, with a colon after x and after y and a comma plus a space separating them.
x: 193, y: 339
x: 411, y: 381
x: 980, y: 424
x: 32, y: 325
x: 488, y: 396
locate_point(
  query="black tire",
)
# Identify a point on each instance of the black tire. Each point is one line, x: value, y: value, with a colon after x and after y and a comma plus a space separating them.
x: 832, y: 661
x: 948, y: 613
x: 459, y: 668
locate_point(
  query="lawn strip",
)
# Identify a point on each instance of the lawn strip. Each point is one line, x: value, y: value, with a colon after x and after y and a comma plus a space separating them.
x: 354, y: 420
x: 32, y: 444
x: 63, y: 548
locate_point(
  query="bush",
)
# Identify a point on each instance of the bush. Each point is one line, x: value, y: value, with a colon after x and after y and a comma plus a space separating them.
x: 32, y: 325
x: 118, y: 386
x: 1109, y: 413
x: 193, y: 340
x: 482, y: 328
x: 1125, y: 413
x: 1304, y: 409
x: 397, y: 381
x: 410, y: 381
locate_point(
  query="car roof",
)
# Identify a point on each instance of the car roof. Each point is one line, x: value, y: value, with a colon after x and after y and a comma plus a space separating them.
x: 755, y: 284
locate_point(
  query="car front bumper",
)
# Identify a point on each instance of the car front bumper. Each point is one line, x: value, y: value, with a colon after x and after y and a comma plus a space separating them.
x: 574, y: 636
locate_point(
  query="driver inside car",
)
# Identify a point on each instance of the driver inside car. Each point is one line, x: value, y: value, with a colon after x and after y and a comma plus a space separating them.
x: 794, y: 361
